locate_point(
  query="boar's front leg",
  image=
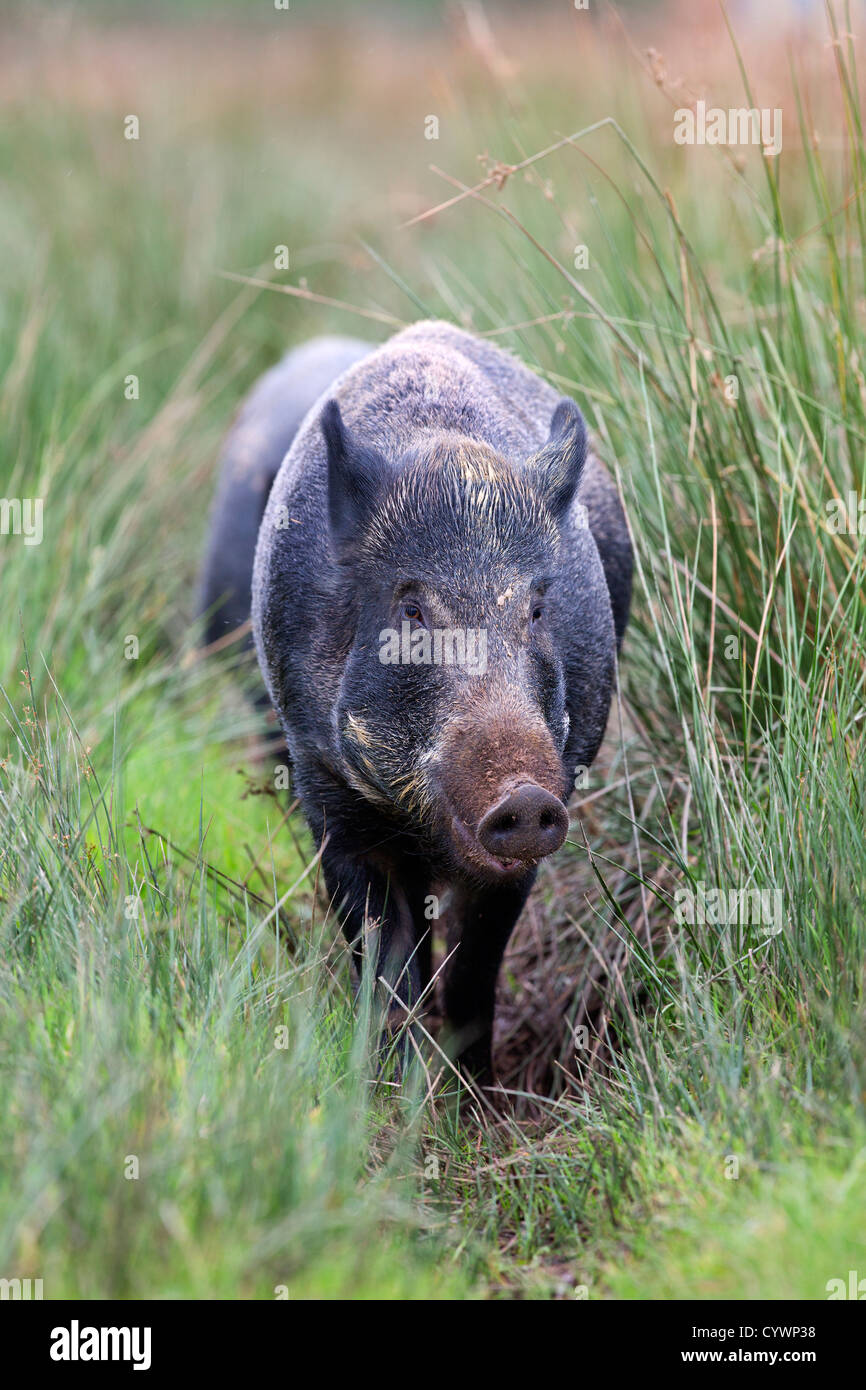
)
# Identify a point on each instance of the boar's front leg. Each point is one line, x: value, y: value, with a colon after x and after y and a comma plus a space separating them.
x: 479, y: 927
x: 366, y: 894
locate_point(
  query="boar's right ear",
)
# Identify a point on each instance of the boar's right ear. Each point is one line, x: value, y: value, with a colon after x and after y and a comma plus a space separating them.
x: 555, y: 471
x: 356, y: 477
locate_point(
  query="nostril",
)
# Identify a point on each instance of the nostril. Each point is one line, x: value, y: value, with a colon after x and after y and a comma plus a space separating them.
x: 527, y: 824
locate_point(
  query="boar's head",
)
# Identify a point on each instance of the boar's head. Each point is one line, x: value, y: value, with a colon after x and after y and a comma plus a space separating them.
x: 480, y: 658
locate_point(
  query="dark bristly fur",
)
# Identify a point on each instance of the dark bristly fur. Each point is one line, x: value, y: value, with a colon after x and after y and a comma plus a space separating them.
x: 438, y: 482
x: 255, y: 446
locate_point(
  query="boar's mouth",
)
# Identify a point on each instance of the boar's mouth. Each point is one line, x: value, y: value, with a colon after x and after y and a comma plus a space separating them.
x: 472, y: 852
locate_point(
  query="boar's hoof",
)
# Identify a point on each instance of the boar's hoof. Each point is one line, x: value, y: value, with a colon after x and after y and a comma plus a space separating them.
x: 526, y: 825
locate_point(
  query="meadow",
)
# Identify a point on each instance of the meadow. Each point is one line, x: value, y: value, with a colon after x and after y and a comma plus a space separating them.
x: 190, y: 1101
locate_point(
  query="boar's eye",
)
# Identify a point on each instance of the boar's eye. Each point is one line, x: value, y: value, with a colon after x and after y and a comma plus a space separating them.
x: 537, y: 614
x: 413, y: 614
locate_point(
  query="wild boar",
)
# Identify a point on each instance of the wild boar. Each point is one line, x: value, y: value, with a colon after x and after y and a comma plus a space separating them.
x: 441, y: 583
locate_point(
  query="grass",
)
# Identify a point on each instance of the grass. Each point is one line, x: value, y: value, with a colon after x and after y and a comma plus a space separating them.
x: 189, y: 1104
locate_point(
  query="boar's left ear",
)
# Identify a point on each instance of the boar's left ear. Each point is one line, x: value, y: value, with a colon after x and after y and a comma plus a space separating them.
x: 356, y: 477
x: 555, y: 471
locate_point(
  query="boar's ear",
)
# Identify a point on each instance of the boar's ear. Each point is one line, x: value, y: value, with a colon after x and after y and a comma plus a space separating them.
x: 356, y: 477
x: 556, y: 469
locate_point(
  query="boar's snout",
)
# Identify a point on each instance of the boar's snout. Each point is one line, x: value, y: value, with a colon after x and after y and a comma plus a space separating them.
x: 500, y: 778
x: 527, y: 824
